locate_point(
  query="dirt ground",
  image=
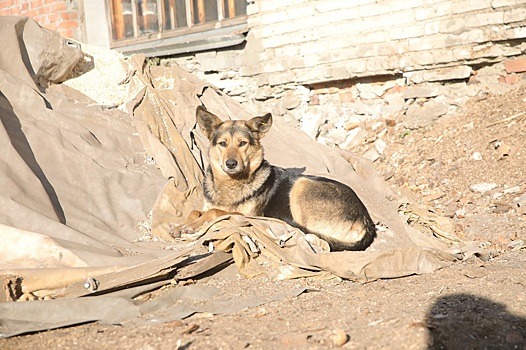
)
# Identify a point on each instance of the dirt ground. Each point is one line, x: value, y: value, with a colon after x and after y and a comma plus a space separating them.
x: 468, y: 167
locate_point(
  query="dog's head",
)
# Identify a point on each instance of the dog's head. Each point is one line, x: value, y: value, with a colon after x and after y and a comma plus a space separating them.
x: 235, y: 149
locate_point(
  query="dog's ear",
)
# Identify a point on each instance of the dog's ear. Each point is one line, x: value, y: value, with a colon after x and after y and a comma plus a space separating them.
x: 260, y: 125
x: 207, y: 121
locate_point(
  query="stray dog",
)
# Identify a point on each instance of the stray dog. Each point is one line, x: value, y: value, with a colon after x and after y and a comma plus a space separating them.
x: 240, y: 180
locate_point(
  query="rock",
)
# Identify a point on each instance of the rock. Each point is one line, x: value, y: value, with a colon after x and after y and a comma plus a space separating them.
x: 279, y: 110
x: 516, y: 245
x: 504, y: 150
x: 450, y: 210
x: 261, y: 312
x: 517, y: 65
x: 441, y: 74
x: 394, y: 103
x: 371, y: 154
x: 339, y: 337
x: 350, y: 125
x: 380, y: 146
x: 482, y: 187
x: 291, y: 101
x: 514, y: 189
x: 520, y: 204
x: 337, y: 135
x: 372, y: 108
x: 263, y: 94
x: 460, y: 213
x: 372, y: 91
x: 418, y: 116
x: 501, y: 208
x: 310, y: 124
x: 355, y: 137
x: 422, y: 90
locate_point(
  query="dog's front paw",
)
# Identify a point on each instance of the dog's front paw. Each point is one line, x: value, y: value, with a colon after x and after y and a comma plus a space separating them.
x: 176, y: 231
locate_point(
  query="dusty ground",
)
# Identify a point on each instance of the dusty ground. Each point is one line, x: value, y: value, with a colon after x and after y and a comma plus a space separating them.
x: 468, y: 167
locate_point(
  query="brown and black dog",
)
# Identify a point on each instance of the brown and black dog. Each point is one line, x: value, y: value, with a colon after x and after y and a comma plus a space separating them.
x: 240, y: 180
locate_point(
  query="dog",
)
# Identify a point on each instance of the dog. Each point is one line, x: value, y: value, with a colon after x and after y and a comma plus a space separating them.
x: 239, y: 180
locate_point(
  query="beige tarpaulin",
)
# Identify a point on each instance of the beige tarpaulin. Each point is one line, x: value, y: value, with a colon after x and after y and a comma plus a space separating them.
x: 88, y: 191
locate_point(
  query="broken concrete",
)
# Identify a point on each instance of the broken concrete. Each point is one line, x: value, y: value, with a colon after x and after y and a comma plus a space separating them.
x: 421, y: 115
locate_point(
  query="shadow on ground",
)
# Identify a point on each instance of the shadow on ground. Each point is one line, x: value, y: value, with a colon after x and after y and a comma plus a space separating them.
x: 464, y: 321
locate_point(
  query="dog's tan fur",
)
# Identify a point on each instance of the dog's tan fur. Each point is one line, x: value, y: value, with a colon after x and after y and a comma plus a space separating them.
x: 239, y: 180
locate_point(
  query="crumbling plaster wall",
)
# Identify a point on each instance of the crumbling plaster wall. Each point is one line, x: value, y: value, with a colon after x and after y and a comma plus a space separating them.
x: 336, y: 68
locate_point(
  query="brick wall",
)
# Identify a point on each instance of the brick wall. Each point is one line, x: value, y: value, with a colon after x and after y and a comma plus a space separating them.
x: 329, y: 66
x: 59, y: 15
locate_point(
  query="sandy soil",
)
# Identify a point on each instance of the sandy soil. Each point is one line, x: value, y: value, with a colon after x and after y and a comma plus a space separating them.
x: 468, y: 167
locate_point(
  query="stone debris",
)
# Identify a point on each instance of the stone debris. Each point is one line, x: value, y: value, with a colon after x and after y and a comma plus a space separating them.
x: 421, y: 115
x: 483, y: 187
x: 455, y: 168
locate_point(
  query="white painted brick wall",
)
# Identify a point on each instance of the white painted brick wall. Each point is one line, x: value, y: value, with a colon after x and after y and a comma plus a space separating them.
x: 515, y: 15
x: 328, y: 32
x: 463, y: 6
x: 294, y: 44
x: 345, y: 30
x: 503, y: 3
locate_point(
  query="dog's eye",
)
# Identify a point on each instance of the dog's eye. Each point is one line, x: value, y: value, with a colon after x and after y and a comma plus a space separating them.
x: 242, y: 143
x: 222, y: 143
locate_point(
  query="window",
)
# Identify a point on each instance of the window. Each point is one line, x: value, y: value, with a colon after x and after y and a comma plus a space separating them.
x: 133, y: 20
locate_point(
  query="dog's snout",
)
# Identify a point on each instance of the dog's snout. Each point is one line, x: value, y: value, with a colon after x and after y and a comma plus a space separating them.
x: 231, y: 163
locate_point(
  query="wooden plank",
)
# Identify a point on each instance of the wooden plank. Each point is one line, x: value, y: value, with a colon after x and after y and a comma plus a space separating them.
x: 144, y: 10
x: 117, y: 19
x: 201, y: 14
x: 161, y: 16
x: 189, y: 13
x: 173, y: 12
x: 231, y: 8
x: 220, y: 10
x: 134, y: 17
x: 128, y: 276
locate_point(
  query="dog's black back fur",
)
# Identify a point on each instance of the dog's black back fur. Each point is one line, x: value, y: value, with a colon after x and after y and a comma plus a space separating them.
x: 277, y: 187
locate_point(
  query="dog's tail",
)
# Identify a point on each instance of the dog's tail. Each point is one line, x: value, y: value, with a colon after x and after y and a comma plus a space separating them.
x: 367, y: 234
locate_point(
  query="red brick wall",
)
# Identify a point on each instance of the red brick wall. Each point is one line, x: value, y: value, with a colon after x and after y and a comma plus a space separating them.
x: 59, y: 15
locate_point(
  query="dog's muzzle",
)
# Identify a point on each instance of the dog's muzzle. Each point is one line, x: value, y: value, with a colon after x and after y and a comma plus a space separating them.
x: 231, y: 164
x: 233, y: 167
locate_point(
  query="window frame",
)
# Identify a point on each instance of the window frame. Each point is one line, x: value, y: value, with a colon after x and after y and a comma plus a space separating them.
x: 193, y: 37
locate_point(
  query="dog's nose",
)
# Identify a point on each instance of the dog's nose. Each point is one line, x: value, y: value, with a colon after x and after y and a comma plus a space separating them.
x: 231, y: 163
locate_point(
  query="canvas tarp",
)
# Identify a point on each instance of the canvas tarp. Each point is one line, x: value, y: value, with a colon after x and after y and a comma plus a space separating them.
x: 89, y: 191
